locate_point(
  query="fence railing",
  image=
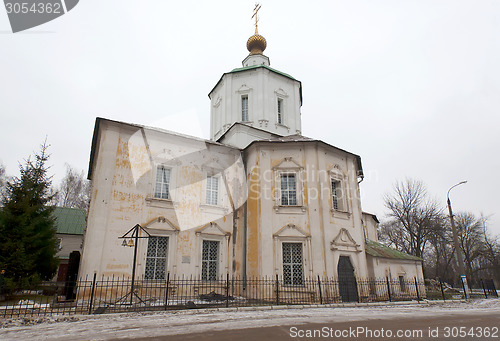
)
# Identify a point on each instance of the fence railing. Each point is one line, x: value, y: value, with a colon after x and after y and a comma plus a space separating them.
x: 112, y: 294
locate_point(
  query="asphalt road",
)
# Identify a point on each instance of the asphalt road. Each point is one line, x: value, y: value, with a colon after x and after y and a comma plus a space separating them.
x: 471, y: 320
x: 460, y: 326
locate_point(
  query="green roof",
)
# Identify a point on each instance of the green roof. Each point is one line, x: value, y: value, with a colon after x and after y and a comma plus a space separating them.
x: 250, y: 67
x: 70, y: 220
x: 378, y: 250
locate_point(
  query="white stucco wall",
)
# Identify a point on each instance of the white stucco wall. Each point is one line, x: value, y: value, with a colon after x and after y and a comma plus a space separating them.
x: 393, y: 268
x: 263, y: 88
x: 370, y: 226
x: 313, y: 221
x: 123, y: 182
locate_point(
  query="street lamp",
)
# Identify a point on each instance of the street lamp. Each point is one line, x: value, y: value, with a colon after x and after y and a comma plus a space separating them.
x: 458, y: 251
x: 133, y: 239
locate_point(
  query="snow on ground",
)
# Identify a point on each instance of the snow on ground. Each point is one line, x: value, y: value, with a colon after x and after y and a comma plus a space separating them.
x: 130, y: 325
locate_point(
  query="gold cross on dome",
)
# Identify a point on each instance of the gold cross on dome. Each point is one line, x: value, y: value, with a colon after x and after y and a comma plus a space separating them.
x: 255, y: 13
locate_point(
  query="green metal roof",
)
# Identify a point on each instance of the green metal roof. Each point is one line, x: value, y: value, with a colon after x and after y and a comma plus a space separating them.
x: 378, y: 250
x: 250, y: 67
x: 70, y: 220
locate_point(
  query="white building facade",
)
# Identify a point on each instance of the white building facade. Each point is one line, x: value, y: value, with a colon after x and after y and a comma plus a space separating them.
x: 258, y: 199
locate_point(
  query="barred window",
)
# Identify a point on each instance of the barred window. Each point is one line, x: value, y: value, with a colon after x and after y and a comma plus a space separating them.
x: 212, y: 190
x: 162, y: 183
x: 244, y: 108
x: 209, y: 260
x: 288, y: 189
x: 293, y: 268
x: 337, y: 196
x: 156, y: 258
x: 280, y: 111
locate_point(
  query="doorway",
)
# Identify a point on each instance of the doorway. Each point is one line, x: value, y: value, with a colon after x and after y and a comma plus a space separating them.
x: 348, y: 287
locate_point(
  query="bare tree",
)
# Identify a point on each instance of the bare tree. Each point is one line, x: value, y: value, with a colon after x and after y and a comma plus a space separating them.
x: 3, y: 180
x: 490, y: 260
x: 439, y: 260
x: 413, y: 217
x: 471, y: 238
x: 74, y: 190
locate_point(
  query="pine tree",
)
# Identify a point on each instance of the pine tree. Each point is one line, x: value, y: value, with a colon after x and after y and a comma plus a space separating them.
x: 28, y: 242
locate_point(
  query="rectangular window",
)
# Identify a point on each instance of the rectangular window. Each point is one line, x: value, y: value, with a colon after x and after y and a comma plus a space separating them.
x: 280, y: 111
x: 244, y: 108
x: 293, y: 268
x: 402, y: 283
x: 209, y: 260
x: 212, y: 190
x: 288, y: 190
x: 335, y: 194
x: 162, y: 183
x: 156, y: 258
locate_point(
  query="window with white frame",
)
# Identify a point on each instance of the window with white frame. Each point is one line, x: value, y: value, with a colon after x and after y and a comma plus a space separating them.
x: 162, y: 187
x: 337, y: 195
x: 210, y: 260
x: 156, y: 258
x: 293, y: 266
x: 280, y: 111
x: 244, y: 108
x: 288, y: 189
x: 212, y: 190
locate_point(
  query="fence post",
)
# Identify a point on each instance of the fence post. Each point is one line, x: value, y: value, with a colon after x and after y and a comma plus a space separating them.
x: 227, y: 290
x: 494, y: 288
x: 166, y: 290
x: 388, y: 289
x: 320, y: 294
x: 463, y: 286
x: 442, y: 290
x: 92, y: 293
x: 416, y: 288
x: 277, y: 290
x: 484, y: 290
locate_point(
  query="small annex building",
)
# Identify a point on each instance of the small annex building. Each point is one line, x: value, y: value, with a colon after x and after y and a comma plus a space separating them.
x: 70, y: 224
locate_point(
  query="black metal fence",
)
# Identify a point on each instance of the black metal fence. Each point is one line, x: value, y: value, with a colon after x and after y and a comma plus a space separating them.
x: 107, y: 295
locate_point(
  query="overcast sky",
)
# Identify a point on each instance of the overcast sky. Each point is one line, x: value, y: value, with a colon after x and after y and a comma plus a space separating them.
x: 413, y: 87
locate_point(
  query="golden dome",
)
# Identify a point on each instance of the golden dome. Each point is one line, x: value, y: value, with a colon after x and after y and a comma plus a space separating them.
x: 256, y: 44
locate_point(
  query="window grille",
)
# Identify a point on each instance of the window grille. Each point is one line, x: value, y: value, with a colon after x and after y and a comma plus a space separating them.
x: 212, y: 190
x: 162, y: 183
x: 288, y: 189
x: 293, y: 268
x: 244, y: 108
x: 156, y: 258
x: 280, y: 111
x: 210, y: 260
x: 335, y: 192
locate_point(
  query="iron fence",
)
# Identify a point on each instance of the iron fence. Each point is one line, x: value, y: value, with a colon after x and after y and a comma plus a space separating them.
x: 113, y: 294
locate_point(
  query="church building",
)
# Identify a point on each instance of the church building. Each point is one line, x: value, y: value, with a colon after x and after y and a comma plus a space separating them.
x: 257, y: 199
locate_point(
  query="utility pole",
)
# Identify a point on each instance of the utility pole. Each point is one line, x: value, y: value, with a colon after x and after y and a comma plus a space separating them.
x: 458, y: 250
